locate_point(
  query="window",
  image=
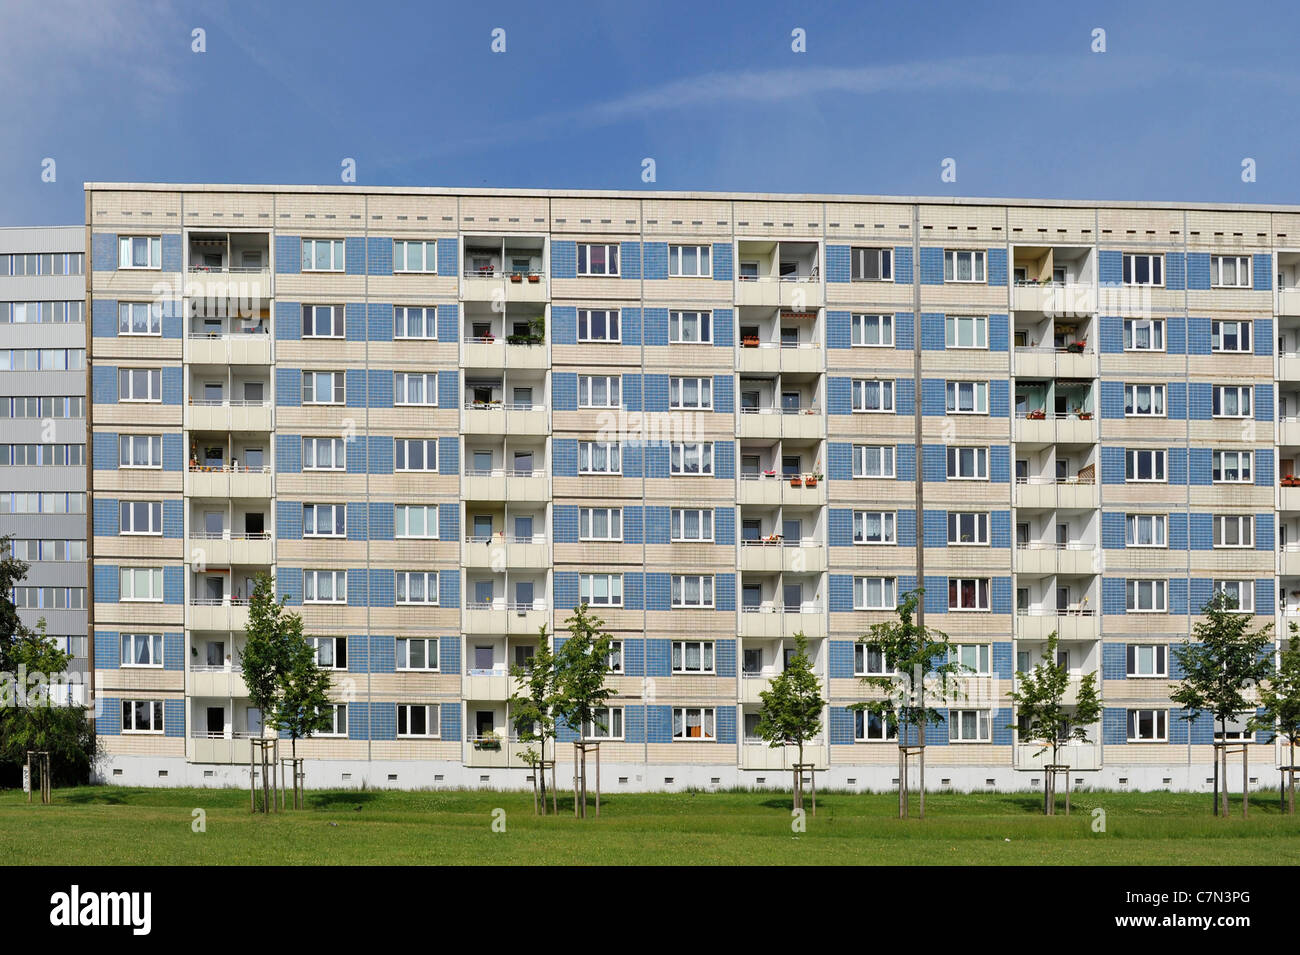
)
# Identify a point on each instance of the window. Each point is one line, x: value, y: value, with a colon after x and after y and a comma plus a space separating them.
x: 690, y: 393
x: 139, y: 318
x: 417, y: 587
x: 1144, y: 401
x: 1230, y: 336
x: 1144, y: 334
x: 47, y: 406
x: 872, y: 331
x: 615, y: 656
x: 968, y: 397
x: 693, y: 723
x: 606, y: 723
x: 598, y: 325
x: 598, y: 391
x: 1142, y: 465
x: 324, y: 586
x: 415, y: 454
x: 1241, y: 593
x: 415, y: 388
x: 323, y: 454
x: 1143, y: 269
x: 692, y: 590
x: 597, y: 259
x: 1232, y: 401
x: 139, y: 252
x: 873, y: 527
x: 871, y: 265
x: 412, y: 322
x: 338, y: 721
x: 961, y: 266
x: 323, y: 388
x: 689, y: 261
x: 1145, y: 530
x: 417, y: 653
x: 1235, y: 729
x: 139, y: 451
x: 690, y: 328
x: 975, y: 659
x: 600, y: 523
x: 139, y: 384
x: 869, y: 660
x: 324, y: 520
x: 142, y: 650
x: 331, y: 652
x: 873, y: 395
x: 871, y: 727
x: 874, y: 593
x: 968, y: 593
x: 692, y: 656
x: 968, y: 464
x: 1234, y: 530
x: 968, y: 726
x: 694, y: 458
x: 417, y: 720
x: 413, y: 255
x: 140, y: 517
x: 1148, y: 726
x: 968, y: 528
x: 42, y: 455
x: 597, y: 457
x: 873, y: 461
x: 966, y: 331
x: 322, y: 321
x: 416, y: 520
x: 141, y: 583
x: 142, y: 716
x: 601, y: 590
x: 1146, y: 660
x: 691, y: 524
x: 1146, y: 596
x: 1233, y: 467
x: 322, y: 255
x: 1230, y: 271
x: 42, y: 359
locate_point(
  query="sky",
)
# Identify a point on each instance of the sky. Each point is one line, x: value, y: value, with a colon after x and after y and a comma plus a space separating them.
x: 713, y: 92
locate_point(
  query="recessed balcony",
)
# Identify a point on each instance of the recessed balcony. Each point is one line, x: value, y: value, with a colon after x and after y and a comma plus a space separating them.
x: 1077, y: 493
x: 1044, y: 427
x: 526, y: 553
x: 227, y: 415
x: 1075, y: 558
x: 1079, y: 757
x: 756, y: 754
x: 241, y: 348
x: 217, y: 681
x: 218, y: 481
x: 226, y: 549
x: 1078, y: 624
x: 216, y: 613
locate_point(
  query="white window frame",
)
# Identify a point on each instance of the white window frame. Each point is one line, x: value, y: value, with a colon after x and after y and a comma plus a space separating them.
x: 1155, y: 263
x: 708, y: 717
x: 1157, y: 589
x: 402, y: 381
x: 865, y: 655
x: 613, y: 590
x: 153, y: 441
x: 975, y: 659
x: 888, y: 593
x: 338, y: 386
x: 1153, y: 657
x: 883, y: 393
x: 332, y: 514
x: 336, y: 320
x: 611, y: 717
x: 679, y: 398
x: 128, y: 378
x: 126, y: 511
x: 432, y: 651
x: 1155, y: 329
x: 955, y: 460
x: 953, y: 326
x: 983, y: 588
x: 156, y: 711
x: 979, y: 526
x: 863, y: 452
x: 318, y: 644
x: 152, y: 641
x: 1245, y: 592
x: 887, y: 521
x: 583, y: 259
x: 338, y: 444
x: 1243, y: 332
x: 339, y: 580
x: 588, y: 388
x: 129, y: 310
x: 613, y: 326
x: 1245, y: 400
x: 430, y: 455
x: 337, y: 257
x: 983, y: 728
x: 1155, y: 400
x: 402, y: 522
x: 428, y: 249
x: 338, y: 720
x: 1245, y: 467
x: 682, y: 454
x: 611, y: 451
x: 1237, y: 729
x: 1159, y: 725
x: 1157, y: 530
x: 708, y: 657
x: 955, y: 396
x: 402, y: 585
x: 1132, y: 459
x: 432, y: 720
x: 403, y: 316
x: 1218, y: 271
x: 703, y: 261
x: 154, y: 577
x: 704, y: 521
x: 977, y: 266
x: 613, y: 520
x: 126, y: 245
x: 1245, y: 524
x: 860, y: 328
x: 705, y: 582
x: 863, y: 729
x: 860, y: 255
x: 702, y: 327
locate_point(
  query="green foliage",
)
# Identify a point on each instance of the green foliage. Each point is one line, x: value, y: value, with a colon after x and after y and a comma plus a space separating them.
x: 793, y: 703
x: 303, y: 708
x: 920, y: 656
x: 1222, y: 662
x: 532, y: 712
x: 582, y: 663
x: 1279, y: 696
x: 1038, y: 699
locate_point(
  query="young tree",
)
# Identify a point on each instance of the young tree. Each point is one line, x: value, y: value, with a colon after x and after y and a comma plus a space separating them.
x: 792, y: 708
x: 923, y: 675
x: 30, y: 715
x: 1279, y: 699
x: 582, y: 664
x: 1046, y: 718
x: 265, y: 656
x: 303, y: 708
x: 532, y: 712
x: 1222, y: 661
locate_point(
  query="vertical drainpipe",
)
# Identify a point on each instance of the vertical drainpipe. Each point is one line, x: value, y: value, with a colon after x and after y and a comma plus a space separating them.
x: 1097, y: 474
x: 88, y: 404
x: 365, y: 324
x: 645, y: 511
x: 919, y: 453
x: 1187, y: 441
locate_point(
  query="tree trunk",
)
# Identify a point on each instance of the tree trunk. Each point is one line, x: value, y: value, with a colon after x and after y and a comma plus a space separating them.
x: 1291, y: 785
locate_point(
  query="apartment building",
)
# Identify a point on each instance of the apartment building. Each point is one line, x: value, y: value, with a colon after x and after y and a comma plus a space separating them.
x: 43, y: 428
x: 442, y: 418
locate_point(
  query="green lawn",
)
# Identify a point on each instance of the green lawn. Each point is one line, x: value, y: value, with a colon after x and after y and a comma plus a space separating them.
x: 111, y: 825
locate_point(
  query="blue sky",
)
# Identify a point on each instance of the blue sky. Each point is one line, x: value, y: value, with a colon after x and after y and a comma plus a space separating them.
x: 711, y: 91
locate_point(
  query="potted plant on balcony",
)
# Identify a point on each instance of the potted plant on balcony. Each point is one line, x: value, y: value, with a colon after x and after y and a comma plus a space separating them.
x: 533, y: 278
x: 490, y: 740
x: 811, y: 480
x: 1037, y: 415
x: 796, y: 481
x: 1076, y: 348
x: 749, y: 341
x: 1082, y: 415
x: 516, y: 277
x: 1290, y: 480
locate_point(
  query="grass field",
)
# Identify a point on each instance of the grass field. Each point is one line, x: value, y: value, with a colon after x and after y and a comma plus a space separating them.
x: 111, y: 825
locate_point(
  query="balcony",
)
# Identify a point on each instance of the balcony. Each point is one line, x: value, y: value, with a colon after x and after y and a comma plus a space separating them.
x: 226, y: 549
x: 1288, y: 301
x: 1045, y: 427
x: 1289, y: 498
x: 774, y: 620
x: 756, y: 754
x: 1288, y: 430
x: 1078, y: 756
x: 1076, y: 558
x: 218, y: 481
x: 770, y: 488
x: 217, y: 681
x: 490, y: 684
x: 496, y: 417
x: 227, y: 613
x: 1049, y: 362
x: 486, y: 284
x: 218, y: 748
x: 1080, y: 623
x: 248, y: 348
x: 1055, y: 298
x: 753, y: 685
x: 492, y: 752
x: 502, y: 616
x: 517, y: 552
x: 483, y: 351
x: 1288, y: 560
x: 227, y: 290
x: 1076, y: 493
x: 801, y: 293
x: 1288, y: 366
x: 781, y: 423
x: 228, y: 415
x: 503, y: 485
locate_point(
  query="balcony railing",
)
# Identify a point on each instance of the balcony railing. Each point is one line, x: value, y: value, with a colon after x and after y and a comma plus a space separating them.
x: 500, y: 538
x: 500, y: 604
x: 504, y: 472
x: 472, y: 405
x: 773, y: 409
x: 228, y: 403
x: 1053, y: 415
x: 777, y: 540
x: 229, y: 667
x: 219, y: 601
x: 1073, y: 610
x: 240, y: 734
x: 488, y: 272
x: 229, y: 269
x: 261, y: 329
x: 228, y: 536
x: 1080, y: 478
x: 1054, y: 545
x: 813, y: 276
x: 807, y: 606
x: 228, y: 469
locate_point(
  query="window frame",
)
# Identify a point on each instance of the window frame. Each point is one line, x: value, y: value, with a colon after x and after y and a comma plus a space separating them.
x: 980, y: 528
x: 1132, y: 527
x: 1245, y: 466
x: 888, y: 592
x: 154, y: 252
x: 1155, y: 328
x: 888, y: 522
x: 885, y: 391
x: 336, y: 576
x: 1216, y: 271
x: 858, y: 324
x: 583, y: 262
x: 861, y: 453
x: 1133, y: 587
x: 978, y: 266
x: 1156, y: 400
x: 402, y: 649
x: 402, y: 583
x: 1155, y: 263
x: 404, y: 444
x: 1244, y: 334
x: 677, y: 458
x: 860, y: 255
x: 703, y: 256
x: 983, y: 588
x: 677, y: 592
x: 953, y: 455
x: 1132, y: 458
x: 613, y: 582
x: 708, y: 657
x: 337, y: 247
x: 1159, y: 725
x: 1134, y: 654
x: 157, y: 649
